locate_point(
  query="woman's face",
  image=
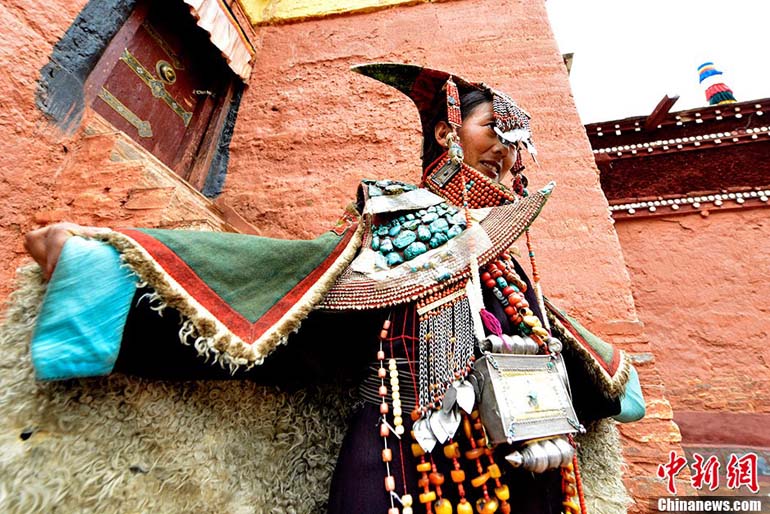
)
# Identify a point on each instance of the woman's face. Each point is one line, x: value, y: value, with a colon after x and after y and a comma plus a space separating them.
x: 481, y: 146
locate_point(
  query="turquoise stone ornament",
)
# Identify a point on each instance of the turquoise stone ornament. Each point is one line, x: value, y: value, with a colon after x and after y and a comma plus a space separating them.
x: 376, y: 243
x: 411, y: 224
x: 414, y: 249
x: 421, y: 213
x: 432, y: 208
x: 374, y: 191
x: 423, y: 233
x: 453, y: 210
x: 382, y: 230
x: 440, y: 225
x: 454, y: 231
x: 438, y: 239
x: 394, y: 230
x: 401, y: 219
x: 394, y: 258
x: 429, y: 217
x: 410, y: 216
x: 386, y: 246
x: 404, y: 239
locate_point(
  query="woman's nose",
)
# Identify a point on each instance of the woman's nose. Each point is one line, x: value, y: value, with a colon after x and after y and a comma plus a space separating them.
x: 501, y: 148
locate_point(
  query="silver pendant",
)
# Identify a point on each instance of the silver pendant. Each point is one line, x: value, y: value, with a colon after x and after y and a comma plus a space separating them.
x: 450, y: 398
x: 451, y: 421
x: 448, y: 421
x: 466, y: 396
x: 424, y: 435
x: 437, y: 426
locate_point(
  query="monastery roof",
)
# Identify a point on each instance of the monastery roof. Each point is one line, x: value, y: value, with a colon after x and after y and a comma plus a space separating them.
x: 712, y: 157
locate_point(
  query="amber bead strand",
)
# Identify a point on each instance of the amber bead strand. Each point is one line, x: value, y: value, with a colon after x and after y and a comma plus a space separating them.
x: 578, y: 478
x: 485, y: 504
x: 442, y: 505
x: 536, y: 281
x: 501, y: 490
x: 427, y: 497
x: 452, y: 451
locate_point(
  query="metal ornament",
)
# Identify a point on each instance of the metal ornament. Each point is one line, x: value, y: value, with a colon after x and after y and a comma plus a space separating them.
x: 423, y: 434
x: 466, y: 396
x: 450, y: 398
x: 437, y: 426
x: 450, y: 421
x: 165, y: 71
x: 142, y: 127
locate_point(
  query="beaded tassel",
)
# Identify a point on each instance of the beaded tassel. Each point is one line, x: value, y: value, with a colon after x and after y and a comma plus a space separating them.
x: 452, y: 451
x: 427, y: 497
x: 486, y: 504
x: 387, y: 453
x: 454, y: 114
x: 572, y: 486
x: 501, y: 490
x: 442, y: 505
x: 536, y: 281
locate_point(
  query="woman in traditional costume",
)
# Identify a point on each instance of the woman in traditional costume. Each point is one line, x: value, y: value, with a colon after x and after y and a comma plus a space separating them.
x: 472, y: 386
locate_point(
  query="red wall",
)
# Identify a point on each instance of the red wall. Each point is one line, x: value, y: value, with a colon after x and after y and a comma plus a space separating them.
x: 701, y: 287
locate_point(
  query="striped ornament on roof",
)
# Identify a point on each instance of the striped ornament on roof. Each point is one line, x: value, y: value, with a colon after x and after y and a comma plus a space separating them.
x: 717, y: 92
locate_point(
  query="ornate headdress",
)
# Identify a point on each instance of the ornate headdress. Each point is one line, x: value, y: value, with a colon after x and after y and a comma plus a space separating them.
x: 429, y: 89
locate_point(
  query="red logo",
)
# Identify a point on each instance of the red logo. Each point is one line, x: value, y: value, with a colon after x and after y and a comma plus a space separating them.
x: 742, y: 471
x: 671, y: 469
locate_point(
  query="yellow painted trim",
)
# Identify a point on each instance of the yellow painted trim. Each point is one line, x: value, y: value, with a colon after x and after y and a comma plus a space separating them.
x: 261, y: 12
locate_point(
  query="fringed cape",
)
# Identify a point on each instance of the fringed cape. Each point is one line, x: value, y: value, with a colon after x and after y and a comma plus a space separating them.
x: 122, y: 444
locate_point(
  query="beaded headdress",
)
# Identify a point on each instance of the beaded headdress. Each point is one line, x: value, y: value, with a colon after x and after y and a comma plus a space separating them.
x: 429, y: 89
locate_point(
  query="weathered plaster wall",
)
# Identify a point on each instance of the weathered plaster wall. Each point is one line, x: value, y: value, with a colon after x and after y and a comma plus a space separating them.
x: 30, y: 154
x: 701, y: 287
x: 93, y: 175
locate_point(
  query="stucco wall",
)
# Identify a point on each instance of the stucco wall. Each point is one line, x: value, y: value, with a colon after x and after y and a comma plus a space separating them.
x: 700, y: 285
x: 30, y: 154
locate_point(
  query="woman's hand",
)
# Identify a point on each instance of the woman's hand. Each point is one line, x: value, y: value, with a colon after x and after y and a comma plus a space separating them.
x: 45, y: 244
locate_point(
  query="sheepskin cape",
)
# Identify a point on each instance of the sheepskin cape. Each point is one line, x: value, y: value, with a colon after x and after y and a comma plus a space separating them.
x: 125, y: 444
x: 121, y: 444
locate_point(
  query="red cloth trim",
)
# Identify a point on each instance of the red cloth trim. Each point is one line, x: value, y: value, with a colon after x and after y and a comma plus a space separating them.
x: 218, y: 307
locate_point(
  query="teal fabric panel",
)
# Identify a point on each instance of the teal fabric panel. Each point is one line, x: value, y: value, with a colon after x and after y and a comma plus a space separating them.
x: 250, y: 273
x: 81, y: 321
x: 632, y: 406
